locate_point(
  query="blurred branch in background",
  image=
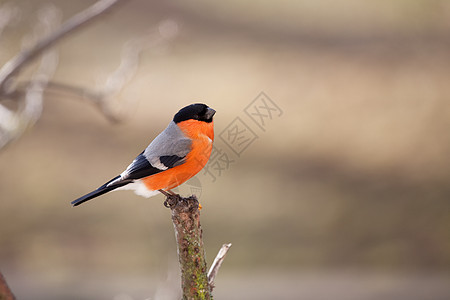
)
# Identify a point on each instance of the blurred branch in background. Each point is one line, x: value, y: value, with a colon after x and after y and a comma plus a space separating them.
x: 30, y: 97
x: 5, y: 292
x: 8, y: 15
x: 27, y: 55
x: 27, y: 97
x: 106, y: 97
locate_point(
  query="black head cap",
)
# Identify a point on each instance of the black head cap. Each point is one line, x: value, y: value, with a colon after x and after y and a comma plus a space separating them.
x: 197, y: 111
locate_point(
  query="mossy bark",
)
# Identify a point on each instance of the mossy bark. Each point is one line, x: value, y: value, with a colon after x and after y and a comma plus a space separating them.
x: 191, y: 253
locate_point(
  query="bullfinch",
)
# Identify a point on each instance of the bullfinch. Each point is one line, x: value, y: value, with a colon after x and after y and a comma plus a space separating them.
x: 174, y: 156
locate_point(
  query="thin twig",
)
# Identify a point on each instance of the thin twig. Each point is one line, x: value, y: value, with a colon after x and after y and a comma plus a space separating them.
x: 29, y: 111
x: 34, y: 92
x: 212, y: 273
x: 24, y: 57
x: 104, y: 95
x: 97, y: 98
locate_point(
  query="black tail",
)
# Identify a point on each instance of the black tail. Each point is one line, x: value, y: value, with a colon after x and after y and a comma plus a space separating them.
x: 100, y: 191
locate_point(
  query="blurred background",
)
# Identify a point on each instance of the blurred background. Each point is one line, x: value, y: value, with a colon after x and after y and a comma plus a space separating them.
x: 339, y: 188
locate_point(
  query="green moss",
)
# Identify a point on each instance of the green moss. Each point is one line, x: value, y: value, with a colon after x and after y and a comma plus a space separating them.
x: 191, y: 252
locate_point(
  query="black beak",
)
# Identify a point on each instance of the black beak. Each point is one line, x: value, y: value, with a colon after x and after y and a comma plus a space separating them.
x: 210, y: 113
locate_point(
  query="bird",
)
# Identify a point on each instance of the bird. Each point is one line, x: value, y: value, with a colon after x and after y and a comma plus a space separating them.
x: 178, y: 153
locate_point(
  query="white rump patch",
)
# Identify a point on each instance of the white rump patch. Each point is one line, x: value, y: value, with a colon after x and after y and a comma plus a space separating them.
x: 139, y: 188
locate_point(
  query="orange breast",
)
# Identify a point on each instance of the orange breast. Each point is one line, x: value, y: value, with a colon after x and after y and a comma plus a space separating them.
x: 202, y: 135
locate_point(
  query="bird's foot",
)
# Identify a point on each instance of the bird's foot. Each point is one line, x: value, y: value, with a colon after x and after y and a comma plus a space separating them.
x: 171, y: 198
x: 174, y: 200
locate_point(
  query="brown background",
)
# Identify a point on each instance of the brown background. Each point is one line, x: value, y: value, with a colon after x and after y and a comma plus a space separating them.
x: 343, y: 196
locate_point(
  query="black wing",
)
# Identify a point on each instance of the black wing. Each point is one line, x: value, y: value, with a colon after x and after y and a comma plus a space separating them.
x: 139, y: 168
x: 171, y: 161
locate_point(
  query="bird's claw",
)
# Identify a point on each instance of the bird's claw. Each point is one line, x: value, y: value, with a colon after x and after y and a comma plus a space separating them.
x: 172, y: 200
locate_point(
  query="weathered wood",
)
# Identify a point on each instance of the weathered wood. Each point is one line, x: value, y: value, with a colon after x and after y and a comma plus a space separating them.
x: 191, y: 252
